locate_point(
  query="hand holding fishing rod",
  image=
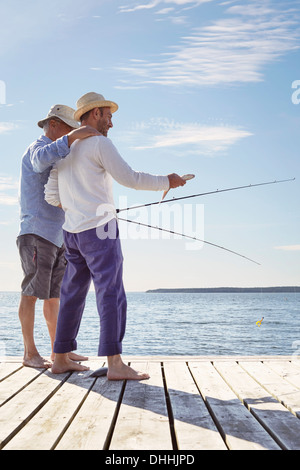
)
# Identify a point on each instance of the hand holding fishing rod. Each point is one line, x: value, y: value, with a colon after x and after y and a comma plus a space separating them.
x: 176, y: 181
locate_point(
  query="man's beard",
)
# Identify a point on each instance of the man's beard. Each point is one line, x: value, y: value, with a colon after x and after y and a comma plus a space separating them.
x: 101, y: 127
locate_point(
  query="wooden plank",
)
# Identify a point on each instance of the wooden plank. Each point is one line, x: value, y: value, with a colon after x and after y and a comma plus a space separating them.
x: 44, y: 429
x: 17, y: 359
x: 22, y: 407
x: 65, y: 412
x: 8, y: 368
x: 239, y: 428
x: 194, y: 427
x: 142, y: 422
x: 92, y: 424
x: 277, y: 386
x: 16, y: 382
x: 275, y: 418
x: 295, y: 360
x: 287, y: 370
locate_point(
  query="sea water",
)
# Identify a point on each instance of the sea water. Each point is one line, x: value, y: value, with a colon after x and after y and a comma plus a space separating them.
x: 177, y: 324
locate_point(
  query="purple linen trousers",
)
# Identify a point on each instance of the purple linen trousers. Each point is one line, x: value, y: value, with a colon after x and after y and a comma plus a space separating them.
x: 90, y: 258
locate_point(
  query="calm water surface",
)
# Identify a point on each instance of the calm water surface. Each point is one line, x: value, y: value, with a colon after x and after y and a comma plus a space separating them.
x: 178, y: 324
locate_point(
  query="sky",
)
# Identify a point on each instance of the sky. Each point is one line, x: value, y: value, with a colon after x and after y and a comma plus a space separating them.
x: 208, y: 87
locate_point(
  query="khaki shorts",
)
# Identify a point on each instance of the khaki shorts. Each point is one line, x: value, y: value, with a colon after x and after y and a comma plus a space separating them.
x: 43, y: 265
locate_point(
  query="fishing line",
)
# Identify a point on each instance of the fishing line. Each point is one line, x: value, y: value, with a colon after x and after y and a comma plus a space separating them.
x: 204, y: 194
x: 187, y: 236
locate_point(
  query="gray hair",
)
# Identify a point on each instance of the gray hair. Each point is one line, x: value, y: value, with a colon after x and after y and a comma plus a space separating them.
x: 46, y: 123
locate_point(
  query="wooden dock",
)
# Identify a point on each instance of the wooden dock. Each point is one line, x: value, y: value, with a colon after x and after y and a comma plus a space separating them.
x: 189, y: 403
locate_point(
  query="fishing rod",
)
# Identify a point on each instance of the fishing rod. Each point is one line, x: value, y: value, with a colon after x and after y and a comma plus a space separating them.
x: 204, y: 194
x: 187, y: 236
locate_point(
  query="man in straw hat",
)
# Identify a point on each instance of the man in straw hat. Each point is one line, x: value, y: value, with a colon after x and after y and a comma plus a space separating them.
x: 91, y: 236
x: 40, y: 239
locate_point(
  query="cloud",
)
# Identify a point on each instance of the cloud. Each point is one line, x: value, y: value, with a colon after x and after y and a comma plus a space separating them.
x: 231, y: 50
x: 7, y: 127
x: 8, y: 182
x: 8, y: 190
x: 6, y: 200
x: 155, y: 3
x: 185, y: 138
x: 127, y: 9
x: 288, y: 247
x: 164, y: 11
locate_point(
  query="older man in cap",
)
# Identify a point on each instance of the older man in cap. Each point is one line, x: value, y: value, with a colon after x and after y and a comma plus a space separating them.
x: 82, y: 184
x: 40, y: 239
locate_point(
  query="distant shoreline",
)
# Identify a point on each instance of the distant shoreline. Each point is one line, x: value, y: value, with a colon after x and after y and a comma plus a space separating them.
x: 218, y: 290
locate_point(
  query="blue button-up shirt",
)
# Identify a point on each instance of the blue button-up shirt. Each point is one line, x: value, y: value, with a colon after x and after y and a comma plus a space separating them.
x: 37, y: 216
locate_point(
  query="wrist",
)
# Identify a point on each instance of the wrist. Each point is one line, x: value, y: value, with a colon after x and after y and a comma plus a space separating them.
x: 70, y: 138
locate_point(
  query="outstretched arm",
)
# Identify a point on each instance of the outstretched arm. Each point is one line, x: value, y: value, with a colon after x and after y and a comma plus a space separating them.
x: 119, y: 169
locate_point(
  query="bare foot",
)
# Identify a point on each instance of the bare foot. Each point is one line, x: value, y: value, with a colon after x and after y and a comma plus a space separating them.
x: 73, y: 356
x: 36, y: 361
x: 117, y: 370
x: 62, y: 363
x: 76, y: 357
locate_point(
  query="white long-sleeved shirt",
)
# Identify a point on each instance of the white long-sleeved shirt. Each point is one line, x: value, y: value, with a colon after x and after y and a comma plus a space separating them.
x: 83, y: 183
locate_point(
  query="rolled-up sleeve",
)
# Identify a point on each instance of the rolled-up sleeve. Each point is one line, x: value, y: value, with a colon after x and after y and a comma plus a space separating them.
x: 44, y: 156
x: 51, y: 189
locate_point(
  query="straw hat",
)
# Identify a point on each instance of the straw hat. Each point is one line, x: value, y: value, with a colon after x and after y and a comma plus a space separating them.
x: 62, y: 112
x: 90, y: 101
